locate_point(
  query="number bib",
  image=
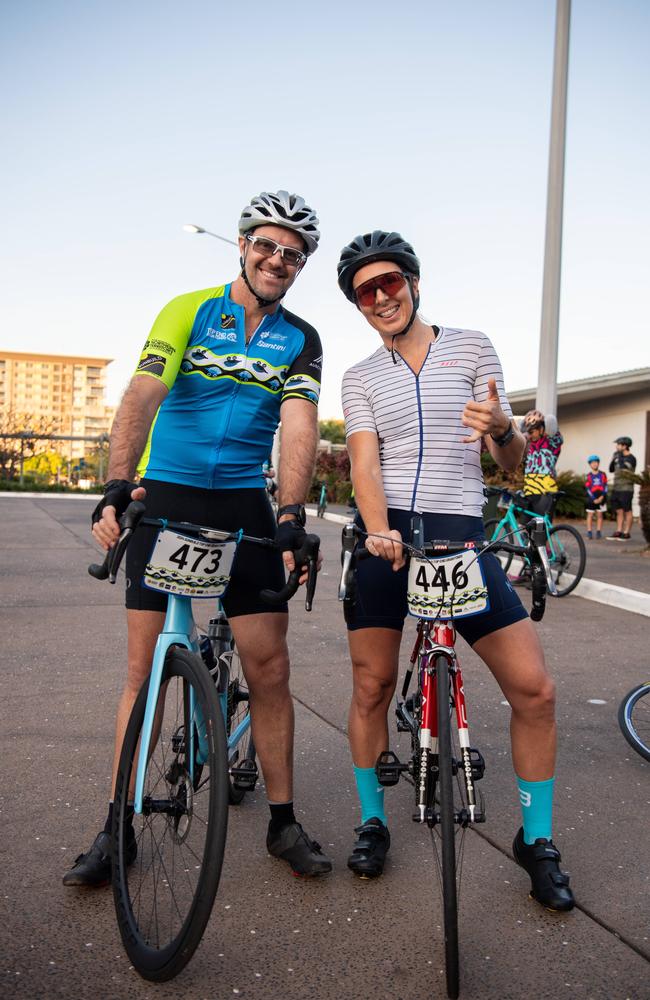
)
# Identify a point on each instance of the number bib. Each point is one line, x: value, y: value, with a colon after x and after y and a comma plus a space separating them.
x: 447, y: 587
x: 191, y: 567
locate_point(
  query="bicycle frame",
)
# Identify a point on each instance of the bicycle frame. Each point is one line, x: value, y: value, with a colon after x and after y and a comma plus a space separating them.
x: 179, y: 629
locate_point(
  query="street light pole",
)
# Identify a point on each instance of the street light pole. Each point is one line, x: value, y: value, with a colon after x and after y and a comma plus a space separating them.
x: 191, y: 228
x: 546, y: 400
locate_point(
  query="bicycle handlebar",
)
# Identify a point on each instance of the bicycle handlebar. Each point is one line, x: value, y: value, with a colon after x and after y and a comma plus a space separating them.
x: 542, y: 581
x: 307, y: 553
x: 134, y: 515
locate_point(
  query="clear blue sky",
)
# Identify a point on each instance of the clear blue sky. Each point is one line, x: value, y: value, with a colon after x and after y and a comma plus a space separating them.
x: 123, y: 120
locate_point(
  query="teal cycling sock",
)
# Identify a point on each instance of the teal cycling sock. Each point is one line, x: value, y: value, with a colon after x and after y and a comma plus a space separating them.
x: 371, y: 794
x: 536, y: 799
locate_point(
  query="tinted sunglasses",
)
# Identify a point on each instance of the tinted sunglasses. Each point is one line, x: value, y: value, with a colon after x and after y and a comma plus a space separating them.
x: 389, y: 284
x: 267, y: 248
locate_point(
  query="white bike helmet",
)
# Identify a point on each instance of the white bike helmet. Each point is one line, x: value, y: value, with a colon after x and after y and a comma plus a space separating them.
x: 282, y: 209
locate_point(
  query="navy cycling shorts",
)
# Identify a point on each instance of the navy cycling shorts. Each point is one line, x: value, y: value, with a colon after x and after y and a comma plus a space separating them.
x: 381, y: 593
x: 254, y: 567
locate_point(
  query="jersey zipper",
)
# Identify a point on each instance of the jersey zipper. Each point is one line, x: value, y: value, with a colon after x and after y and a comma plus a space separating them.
x: 235, y: 394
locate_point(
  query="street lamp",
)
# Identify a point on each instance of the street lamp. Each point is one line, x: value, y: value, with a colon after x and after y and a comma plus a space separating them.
x: 189, y: 227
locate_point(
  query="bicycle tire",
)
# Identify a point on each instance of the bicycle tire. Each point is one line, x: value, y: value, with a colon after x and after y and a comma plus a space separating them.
x: 491, y: 525
x: 181, y: 832
x: 237, y: 709
x: 634, y: 719
x: 568, y: 559
x: 447, y: 828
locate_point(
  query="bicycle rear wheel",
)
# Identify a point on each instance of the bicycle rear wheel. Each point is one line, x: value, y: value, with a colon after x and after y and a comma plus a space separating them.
x: 492, y: 534
x: 634, y: 719
x: 163, y: 900
x: 445, y: 795
x: 567, y: 557
x: 242, y: 753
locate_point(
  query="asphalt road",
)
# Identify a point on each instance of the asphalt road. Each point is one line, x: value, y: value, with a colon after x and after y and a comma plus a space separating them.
x: 272, y: 935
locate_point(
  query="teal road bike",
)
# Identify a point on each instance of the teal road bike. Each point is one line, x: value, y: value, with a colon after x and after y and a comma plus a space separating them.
x: 188, y: 751
x: 565, y: 547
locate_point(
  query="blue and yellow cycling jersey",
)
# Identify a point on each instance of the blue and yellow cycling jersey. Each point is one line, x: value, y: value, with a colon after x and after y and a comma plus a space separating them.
x: 215, y: 428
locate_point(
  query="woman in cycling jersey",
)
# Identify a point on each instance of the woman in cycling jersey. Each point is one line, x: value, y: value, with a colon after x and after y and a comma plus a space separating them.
x: 416, y: 412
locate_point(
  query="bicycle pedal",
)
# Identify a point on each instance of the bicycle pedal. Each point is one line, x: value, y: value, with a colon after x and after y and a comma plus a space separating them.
x: 389, y: 768
x: 245, y: 775
x: 478, y: 764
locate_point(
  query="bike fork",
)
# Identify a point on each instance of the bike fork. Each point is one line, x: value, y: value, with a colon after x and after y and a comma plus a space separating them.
x: 428, y: 737
x: 471, y: 762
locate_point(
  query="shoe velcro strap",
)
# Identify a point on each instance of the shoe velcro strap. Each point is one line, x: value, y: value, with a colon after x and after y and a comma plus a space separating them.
x: 546, y: 852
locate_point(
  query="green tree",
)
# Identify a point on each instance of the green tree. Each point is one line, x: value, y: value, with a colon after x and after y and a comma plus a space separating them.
x: 13, y: 448
x: 45, y: 465
x: 332, y: 430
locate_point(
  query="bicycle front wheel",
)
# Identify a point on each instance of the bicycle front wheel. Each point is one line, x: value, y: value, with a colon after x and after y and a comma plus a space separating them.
x: 164, y: 897
x: 634, y: 719
x: 567, y: 557
x: 493, y: 534
x: 445, y: 795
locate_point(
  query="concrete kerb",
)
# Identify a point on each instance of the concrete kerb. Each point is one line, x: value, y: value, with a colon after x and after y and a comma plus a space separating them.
x: 591, y: 590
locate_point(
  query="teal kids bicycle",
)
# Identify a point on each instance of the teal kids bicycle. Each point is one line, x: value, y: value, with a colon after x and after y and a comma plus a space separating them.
x: 188, y: 750
x: 565, y: 548
x: 322, y: 501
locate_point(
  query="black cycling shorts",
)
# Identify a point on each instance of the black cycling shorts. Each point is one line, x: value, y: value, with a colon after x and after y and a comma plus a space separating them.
x: 381, y: 593
x: 254, y: 567
x: 622, y: 500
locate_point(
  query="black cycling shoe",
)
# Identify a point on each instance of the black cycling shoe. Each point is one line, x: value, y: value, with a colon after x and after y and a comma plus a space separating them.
x: 370, y: 850
x: 303, y: 854
x: 550, y: 885
x: 94, y: 867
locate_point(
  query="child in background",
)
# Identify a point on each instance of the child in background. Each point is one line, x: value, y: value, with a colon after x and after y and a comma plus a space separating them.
x: 596, y: 487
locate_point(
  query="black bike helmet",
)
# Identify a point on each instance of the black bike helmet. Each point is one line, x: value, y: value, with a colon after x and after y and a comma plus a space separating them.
x: 627, y: 442
x: 370, y: 247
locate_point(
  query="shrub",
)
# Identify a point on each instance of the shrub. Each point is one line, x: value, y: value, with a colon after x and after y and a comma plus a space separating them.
x: 334, y: 470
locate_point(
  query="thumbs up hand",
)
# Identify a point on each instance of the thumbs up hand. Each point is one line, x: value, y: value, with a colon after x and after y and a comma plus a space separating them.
x: 486, y: 417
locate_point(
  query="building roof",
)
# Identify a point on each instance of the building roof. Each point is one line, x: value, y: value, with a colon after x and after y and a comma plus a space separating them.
x: 55, y: 358
x: 581, y: 390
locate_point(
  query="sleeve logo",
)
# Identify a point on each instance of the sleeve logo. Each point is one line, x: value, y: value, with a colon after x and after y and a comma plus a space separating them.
x: 154, y: 364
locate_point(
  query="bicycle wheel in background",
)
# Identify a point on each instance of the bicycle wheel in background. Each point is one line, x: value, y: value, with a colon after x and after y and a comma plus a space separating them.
x: 492, y: 534
x: 634, y: 719
x: 242, y: 754
x: 163, y: 899
x: 567, y: 557
x: 447, y: 827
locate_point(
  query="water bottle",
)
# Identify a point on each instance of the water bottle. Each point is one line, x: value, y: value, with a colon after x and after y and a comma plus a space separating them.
x: 220, y: 637
x: 207, y: 655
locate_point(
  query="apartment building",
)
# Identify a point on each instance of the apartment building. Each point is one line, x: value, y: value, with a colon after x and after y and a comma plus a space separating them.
x: 69, y: 391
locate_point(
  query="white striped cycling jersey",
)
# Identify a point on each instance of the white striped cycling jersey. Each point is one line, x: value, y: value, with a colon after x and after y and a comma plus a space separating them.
x: 417, y: 418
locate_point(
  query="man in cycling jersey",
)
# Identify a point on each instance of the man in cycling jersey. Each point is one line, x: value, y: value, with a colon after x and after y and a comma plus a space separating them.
x: 219, y: 369
x: 416, y: 411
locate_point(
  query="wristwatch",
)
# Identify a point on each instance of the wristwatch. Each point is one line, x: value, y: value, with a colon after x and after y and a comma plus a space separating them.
x: 505, y: 439
x: 297, y: 510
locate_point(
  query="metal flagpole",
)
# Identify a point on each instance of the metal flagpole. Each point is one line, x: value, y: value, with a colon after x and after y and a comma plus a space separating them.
x: 548, y: 342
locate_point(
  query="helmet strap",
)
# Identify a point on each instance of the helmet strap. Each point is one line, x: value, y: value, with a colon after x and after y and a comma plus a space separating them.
x: 402, y: 333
